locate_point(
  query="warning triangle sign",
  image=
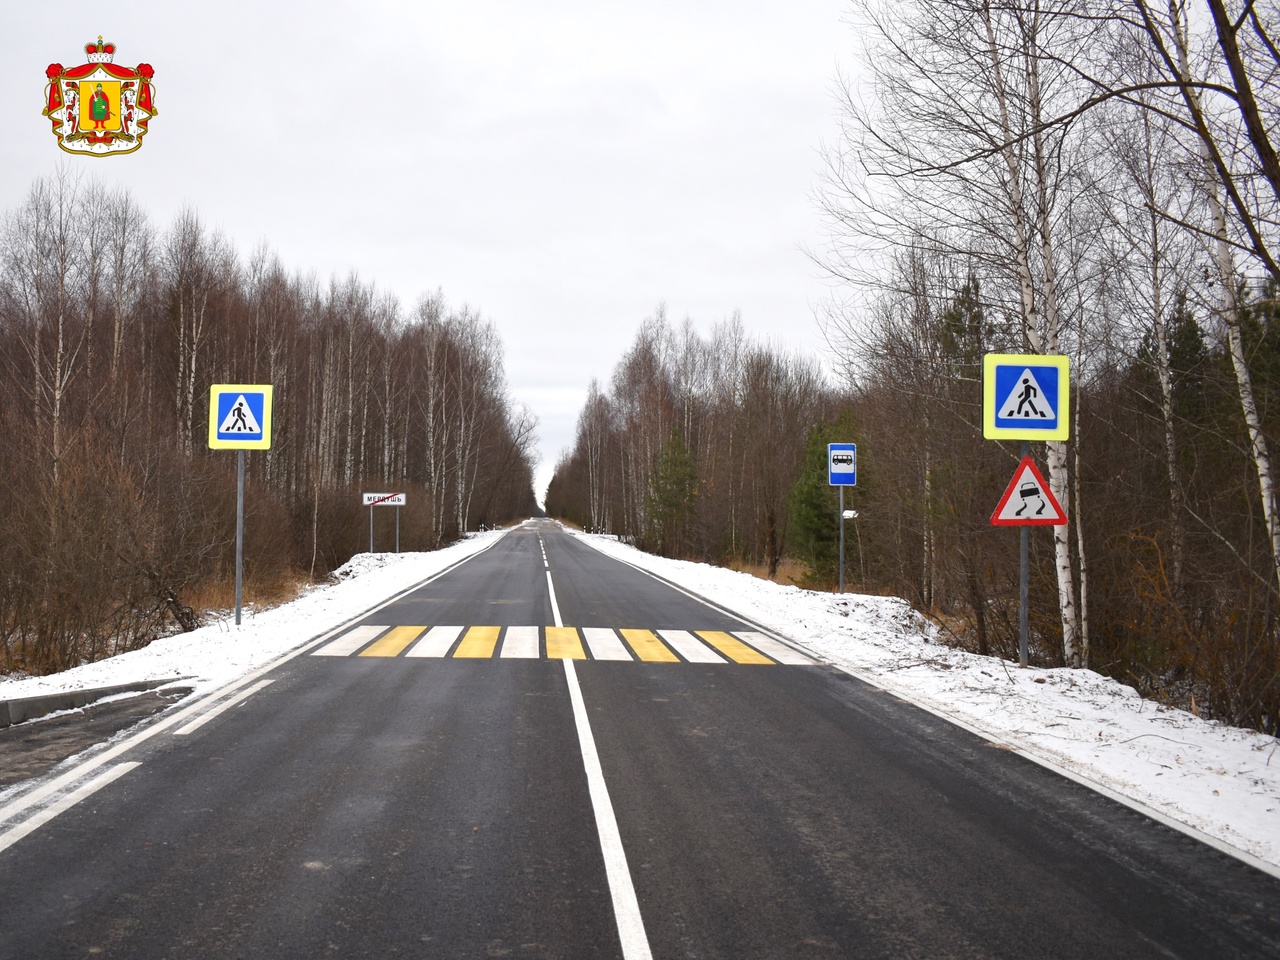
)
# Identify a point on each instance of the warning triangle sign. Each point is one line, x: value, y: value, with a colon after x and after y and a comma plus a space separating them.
x: 1026, y: 401
x: 1028, y: 501
x: 240, y: 418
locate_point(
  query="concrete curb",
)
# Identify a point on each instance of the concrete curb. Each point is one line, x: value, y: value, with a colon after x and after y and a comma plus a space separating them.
x: 29, y: 708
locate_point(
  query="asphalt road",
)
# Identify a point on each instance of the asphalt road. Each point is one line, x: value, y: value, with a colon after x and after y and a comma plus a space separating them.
x: 421, y: 785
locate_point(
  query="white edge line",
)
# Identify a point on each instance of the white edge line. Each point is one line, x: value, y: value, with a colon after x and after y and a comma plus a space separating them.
x: 34, y: 823
x: 873, y: 680
x: 626, y: 909
x: 1195, y: 833
x: 85, y: 767
x: 220, y: 708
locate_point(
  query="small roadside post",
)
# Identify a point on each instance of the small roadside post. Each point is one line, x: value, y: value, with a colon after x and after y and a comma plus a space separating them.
x: 240, y: 420
x: 372, y: 500
x: 842, y: 471
x: 1026, y: 397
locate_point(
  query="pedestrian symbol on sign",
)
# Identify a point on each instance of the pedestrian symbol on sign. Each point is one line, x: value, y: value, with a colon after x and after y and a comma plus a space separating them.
x: 240, y: 419
x: 1026, y: 399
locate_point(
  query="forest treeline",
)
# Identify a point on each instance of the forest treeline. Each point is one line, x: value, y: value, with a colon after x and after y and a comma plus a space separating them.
x: 1093, y: 178
x: 117, y: 522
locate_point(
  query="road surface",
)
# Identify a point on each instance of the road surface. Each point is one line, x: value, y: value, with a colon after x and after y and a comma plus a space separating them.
x: 546, y: 753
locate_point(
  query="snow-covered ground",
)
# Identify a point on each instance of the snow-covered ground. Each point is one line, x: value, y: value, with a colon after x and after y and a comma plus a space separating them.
x: 1221, y: 781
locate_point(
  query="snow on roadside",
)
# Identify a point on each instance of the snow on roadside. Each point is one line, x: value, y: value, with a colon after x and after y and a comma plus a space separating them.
x: 1221, y: 780
x: 220, y: 651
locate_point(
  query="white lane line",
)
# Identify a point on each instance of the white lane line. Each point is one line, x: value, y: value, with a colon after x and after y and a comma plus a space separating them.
x: 351, y: 641
x: 12, y: 836
x: 690, y: 647
x: 771, y: 647
x: 521, y: 642
x: 436, y: 642
x: 555, y: 607
x: 221, y: 708
x: 604, y: 644
x: 626, y: 908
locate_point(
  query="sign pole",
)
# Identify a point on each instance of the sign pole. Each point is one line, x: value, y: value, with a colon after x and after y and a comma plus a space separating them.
x: 1024, y: 582
x: 841, y: 539
x: 239, y: 531
x: 397, y: 528
x: 371, y: 528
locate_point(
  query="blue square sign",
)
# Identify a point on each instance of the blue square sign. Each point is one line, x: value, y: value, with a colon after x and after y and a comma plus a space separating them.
x: 842, y: 464
x: 240, y: 416
x: 1025, y: 397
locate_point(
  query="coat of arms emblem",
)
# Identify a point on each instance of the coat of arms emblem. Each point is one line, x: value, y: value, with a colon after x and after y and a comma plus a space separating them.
x: 99, y: 108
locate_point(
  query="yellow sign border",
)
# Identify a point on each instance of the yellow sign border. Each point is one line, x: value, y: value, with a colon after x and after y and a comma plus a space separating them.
x: 990, y: 402
x: 217, y: 390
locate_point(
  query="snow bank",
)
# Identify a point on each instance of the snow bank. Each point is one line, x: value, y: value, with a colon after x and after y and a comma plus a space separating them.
x: 220, y: 651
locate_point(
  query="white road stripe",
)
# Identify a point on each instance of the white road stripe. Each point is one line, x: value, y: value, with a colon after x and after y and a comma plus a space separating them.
x: 626, y: 909
x: 690, y: 647
x: 521, y: 642
x: 220, y: 708
x: 604, y: 644
x: 12, y: 836
x: 350, y: 642
x: 774, y: 648
x: 555, y: 607
x: 435, y: 642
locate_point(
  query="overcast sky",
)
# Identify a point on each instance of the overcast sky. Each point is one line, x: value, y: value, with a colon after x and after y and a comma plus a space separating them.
x: 562, y: 167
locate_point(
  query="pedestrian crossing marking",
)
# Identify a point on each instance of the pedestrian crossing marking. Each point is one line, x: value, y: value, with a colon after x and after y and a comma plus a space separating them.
x: 563, y: 643
x: 522, y: 643
x: 604, y: 644
x: 776, y: 649
x: 437, y: 642
x: 648, y: 647
x: 689, y: 647
x: 351, y: 641
x: 732, y: 647
x: 479, y: 643
x: 393, y: 644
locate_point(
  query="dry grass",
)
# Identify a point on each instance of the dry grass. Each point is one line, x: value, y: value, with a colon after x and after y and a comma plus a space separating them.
x: 221, y: 595
x: 790, y: 572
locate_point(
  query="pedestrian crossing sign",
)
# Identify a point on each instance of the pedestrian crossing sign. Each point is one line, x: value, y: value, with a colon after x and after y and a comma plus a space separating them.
x: 1025, y: 397
x: 240, y: 416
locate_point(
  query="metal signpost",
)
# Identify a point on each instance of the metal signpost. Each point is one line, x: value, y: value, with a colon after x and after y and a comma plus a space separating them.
x: 842, y: 471
x: 1026, y: 397
x: 240, y: 420
x: 372, y: 500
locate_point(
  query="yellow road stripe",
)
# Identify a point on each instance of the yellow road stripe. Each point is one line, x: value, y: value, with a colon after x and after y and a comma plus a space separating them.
x: 479, y: 643
x: 393, y: 642
x: 732, y: 647
x: 563, y: 644
x: 648, y: 647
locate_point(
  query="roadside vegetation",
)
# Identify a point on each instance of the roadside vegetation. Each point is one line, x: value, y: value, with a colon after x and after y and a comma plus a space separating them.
x: 117, y: 524
x: 1095, y: 179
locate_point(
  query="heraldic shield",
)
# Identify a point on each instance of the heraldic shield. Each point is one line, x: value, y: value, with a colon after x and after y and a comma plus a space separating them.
x: 99, y: 108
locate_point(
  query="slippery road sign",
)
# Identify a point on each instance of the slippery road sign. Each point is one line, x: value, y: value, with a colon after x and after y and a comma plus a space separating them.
x: 1028, y: 501
x: 240, y: 416
x: 1025, y: 397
